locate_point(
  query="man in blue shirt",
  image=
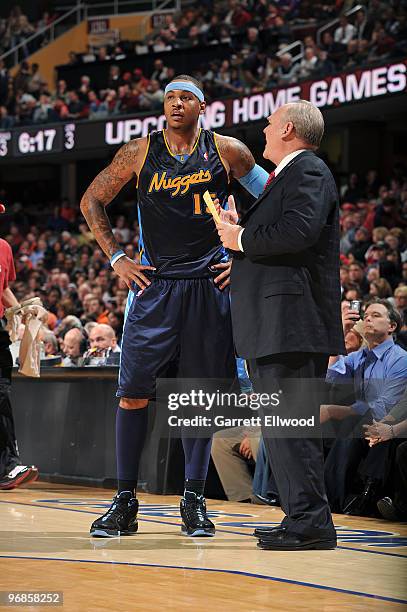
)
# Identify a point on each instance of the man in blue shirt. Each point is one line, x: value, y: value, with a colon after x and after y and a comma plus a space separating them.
x: 379, y: 375
x: 379, y: 371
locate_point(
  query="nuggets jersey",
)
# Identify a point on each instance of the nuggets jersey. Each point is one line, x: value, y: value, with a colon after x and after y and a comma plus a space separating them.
x: 177, y: 233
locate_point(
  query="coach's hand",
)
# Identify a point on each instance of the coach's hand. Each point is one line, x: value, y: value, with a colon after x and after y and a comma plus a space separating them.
x: 223, y: 279
x: 228, y: 235
x: 131, y: 272
x: 230, y: 215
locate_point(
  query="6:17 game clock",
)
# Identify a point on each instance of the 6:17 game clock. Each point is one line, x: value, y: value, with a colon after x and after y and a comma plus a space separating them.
x: 44, y: 140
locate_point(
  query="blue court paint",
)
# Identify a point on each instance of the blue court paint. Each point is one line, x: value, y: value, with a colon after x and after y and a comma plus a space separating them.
x: 221, y: 571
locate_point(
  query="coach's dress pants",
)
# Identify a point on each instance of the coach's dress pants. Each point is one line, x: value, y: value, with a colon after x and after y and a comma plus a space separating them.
x: 297, y: 463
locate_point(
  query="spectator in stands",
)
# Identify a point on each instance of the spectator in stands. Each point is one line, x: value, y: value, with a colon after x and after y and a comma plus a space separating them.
x: 400, y: 300
x: 44, y: 110
x: 380, y: 288
x: 255, y: 70
x: 323, y: 66
x: 234, y: 452
x: 357, y: 276
x: 308, y: 63
x: 102, y: 54
x: 286, y: 71
x: 104, y: 349
x: 379, y: 374
x: 152, y: 97
x: 345, y: 31
x: 387, y: 214
x: 4, y: 81
x: 382, y: 45
x: 97, y: 310
x: 76, y: 108
x: 6, y: 122
x: 50, y: 343
x: 35, y: 81
x: 74, y: 345
x: 336, y: 52
x: 363, y: 27
x: 392, y: 430
x: 160, y: 72
x: 114, y: 80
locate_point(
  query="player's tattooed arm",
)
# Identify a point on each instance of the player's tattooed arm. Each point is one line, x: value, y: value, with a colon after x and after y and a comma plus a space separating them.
x: 237, y: 156
x: 104, y: 189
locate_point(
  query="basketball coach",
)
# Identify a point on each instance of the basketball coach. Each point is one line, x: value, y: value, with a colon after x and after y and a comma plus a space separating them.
x: 285, y: 295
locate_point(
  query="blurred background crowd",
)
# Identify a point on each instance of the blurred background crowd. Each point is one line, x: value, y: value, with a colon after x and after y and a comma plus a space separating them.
x: 255, y: 33
x: 57, y: 258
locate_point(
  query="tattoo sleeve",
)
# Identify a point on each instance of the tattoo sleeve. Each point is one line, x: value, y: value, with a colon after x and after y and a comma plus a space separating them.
x: 238, y: 156
x: 103, y: 190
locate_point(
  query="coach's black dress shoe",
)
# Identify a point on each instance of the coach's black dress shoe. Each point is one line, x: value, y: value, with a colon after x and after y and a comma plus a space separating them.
x: 259, y: 532
x: 284, y: 540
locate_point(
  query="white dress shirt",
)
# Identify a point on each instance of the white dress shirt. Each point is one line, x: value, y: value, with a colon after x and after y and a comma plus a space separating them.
x: 286, y: 160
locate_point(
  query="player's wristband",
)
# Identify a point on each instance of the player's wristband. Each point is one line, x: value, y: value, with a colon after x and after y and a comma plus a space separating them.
x: 116, y: 256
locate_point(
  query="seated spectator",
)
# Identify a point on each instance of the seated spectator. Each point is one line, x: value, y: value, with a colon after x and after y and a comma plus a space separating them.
x: 73, y: 345
x: 336, y: 51
x: 152, y: 97
x: 97, y: 310
x: 104, y: 349
x: 392, y: 430
x: 345, y: 31
x: 378, y: 374
x: 35, y: 81
x: 357, y: 275
x: 6, y: 122
x: 50, y: 343
x: 255, y: 70
x: 160, y: 72
x: 76, y: 108
x: 400, y: 300
x: 380, y: 288
x: 114, y: 80
x: 43, y: 112
x: 286, y: 71
x: 382, y: 46
x: 363, y: 26
x: 307, y: 64
x: 232, y: 452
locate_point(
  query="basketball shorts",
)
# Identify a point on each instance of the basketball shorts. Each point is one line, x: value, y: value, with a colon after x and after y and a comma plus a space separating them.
x: 185, y: 322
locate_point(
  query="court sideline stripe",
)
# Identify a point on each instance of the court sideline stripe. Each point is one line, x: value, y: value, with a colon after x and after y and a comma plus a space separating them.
x: 241, y: 533
x: 210, y: 569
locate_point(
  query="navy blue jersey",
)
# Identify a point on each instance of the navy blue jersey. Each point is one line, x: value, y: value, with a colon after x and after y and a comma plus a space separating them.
x: 177, y: 233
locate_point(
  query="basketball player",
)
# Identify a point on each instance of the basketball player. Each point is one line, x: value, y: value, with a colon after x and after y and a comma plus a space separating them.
x: 180, y: 306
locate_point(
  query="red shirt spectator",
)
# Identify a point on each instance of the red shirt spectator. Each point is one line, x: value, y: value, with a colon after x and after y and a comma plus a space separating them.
x: 7, y: 270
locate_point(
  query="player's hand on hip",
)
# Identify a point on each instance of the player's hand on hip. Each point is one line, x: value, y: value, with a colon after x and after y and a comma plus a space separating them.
x: 223, y: 279
x: 230, y: 215
x: 131, y: 272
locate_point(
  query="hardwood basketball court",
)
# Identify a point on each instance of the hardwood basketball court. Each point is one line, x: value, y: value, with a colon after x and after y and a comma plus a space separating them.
x: 45, y: 546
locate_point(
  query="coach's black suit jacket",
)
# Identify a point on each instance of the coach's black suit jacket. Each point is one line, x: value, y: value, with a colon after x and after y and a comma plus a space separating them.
x: 285, y: 287
x: 285, y: 296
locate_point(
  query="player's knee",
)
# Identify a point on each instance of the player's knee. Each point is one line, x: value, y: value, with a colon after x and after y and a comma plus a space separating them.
x: 132, y: 404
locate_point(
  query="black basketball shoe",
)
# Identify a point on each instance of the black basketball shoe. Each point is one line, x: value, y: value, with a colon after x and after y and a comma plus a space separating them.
x: 119, y: 520
x: 195, y: 521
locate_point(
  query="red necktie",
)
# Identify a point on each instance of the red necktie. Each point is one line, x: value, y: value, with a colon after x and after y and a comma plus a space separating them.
x: 270, y: 178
